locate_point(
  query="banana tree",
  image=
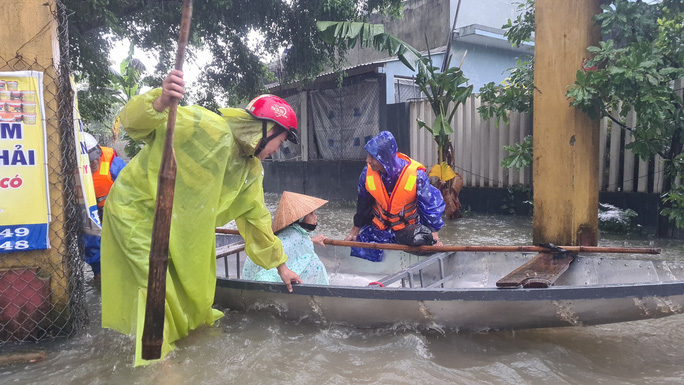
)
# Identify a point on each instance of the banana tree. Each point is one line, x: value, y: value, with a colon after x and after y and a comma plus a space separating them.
x: 445, y: 91
x: 126, y: 84
x: 100, y: 109
x: 128, y: 81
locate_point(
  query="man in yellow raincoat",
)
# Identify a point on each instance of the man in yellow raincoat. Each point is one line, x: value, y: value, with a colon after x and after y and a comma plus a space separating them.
x: 219, y: 178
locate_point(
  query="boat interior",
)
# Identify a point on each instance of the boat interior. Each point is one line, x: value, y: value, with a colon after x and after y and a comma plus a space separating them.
x: 458, y: 270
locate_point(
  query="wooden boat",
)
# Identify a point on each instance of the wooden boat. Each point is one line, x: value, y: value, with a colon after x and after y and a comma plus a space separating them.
x: 458, y: 290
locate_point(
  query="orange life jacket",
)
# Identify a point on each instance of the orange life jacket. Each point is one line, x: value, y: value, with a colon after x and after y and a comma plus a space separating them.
x: 399, y: 209
x: 102, y: 179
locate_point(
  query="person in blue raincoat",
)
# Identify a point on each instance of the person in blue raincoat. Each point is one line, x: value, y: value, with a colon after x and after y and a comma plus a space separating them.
x: 396, y: 202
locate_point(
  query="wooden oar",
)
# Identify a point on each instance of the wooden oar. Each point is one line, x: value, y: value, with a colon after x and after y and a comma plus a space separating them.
x: 153, y: 331
x: 436, y: 249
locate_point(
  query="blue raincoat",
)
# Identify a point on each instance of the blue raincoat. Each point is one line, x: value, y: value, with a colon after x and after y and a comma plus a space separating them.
x: 430, y: 203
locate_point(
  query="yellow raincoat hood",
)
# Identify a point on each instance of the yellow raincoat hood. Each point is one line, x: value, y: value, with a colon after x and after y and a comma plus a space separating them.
x: 247, y: 131
x: 217, y: 180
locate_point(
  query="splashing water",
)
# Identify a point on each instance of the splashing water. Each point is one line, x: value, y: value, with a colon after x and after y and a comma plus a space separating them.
x: 260, y: 348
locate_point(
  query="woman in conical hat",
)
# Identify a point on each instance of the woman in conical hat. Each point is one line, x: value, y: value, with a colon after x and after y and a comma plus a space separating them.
x: 293, y: 222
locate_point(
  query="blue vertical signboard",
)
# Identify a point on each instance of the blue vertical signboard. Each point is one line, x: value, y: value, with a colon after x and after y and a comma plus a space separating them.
x: 24, y: 196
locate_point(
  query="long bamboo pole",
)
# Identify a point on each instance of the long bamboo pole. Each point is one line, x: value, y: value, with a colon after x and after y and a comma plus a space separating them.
x: 153, y: 331
x: 436, y: 249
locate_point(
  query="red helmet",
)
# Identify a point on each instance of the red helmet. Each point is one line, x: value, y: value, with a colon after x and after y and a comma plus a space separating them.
x: 275, y: 109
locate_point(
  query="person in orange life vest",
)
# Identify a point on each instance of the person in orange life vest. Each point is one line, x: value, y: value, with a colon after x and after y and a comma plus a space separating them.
x: 396, y: 202
x: 105, y: 167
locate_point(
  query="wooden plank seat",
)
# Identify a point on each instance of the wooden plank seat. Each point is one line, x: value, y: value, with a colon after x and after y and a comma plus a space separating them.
x: 539, y: 272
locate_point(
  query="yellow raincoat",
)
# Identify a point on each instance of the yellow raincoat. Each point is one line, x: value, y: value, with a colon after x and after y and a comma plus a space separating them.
x: 217, y: 181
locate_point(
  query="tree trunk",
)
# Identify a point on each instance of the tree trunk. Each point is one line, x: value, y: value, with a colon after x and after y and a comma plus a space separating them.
x: 451, y: 188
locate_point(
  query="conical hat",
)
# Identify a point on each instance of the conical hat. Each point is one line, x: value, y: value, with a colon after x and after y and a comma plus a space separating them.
x: 293, y: 206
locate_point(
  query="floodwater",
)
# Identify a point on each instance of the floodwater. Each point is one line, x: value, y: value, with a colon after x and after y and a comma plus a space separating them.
x: 253, y: 348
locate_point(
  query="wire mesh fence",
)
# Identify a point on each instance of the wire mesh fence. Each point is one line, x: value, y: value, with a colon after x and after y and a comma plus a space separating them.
x: 42, y: 293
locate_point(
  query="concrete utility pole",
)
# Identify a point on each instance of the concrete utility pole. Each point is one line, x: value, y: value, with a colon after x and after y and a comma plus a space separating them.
x: 565, y: 167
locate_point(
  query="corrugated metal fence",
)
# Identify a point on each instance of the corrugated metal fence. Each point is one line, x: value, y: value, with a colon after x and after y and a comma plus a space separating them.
x: 478, y: 150
x: 478, y: 144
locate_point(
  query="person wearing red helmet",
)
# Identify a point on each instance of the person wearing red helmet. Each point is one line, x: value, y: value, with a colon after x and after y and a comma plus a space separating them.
x: 274, y: 109
x: 219, y: 178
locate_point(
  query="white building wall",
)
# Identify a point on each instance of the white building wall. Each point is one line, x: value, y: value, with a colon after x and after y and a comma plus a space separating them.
x: 484, y: 62
x: 490, y: 13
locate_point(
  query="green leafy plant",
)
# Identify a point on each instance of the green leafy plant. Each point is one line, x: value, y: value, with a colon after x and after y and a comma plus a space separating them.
x: 521, y: 30
x: 635, y: 70
x: 123, y: 85
x: 674, y: 198
x: 345, y: 35
x: 520, y: 154
x: 634, y: 67
x: 515, y: 93
x: 128, y: 82
x: 518, y: 201
x: 221, y: 30
x: 675, y: 209
x: 445, y: 91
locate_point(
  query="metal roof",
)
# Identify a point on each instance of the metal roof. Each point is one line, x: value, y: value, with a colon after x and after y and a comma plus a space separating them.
x: 351, y: 70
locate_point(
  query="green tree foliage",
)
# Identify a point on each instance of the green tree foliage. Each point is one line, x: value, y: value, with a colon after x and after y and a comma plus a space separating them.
x: 675, y: 204
x: 636, y: 66
x: 521, y: 29
x: 342, y: 35
x: 519, y: 154
x: 126, y: 84
x: 515, y: 93
x: 234, y: 71
x: 123, y: 85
